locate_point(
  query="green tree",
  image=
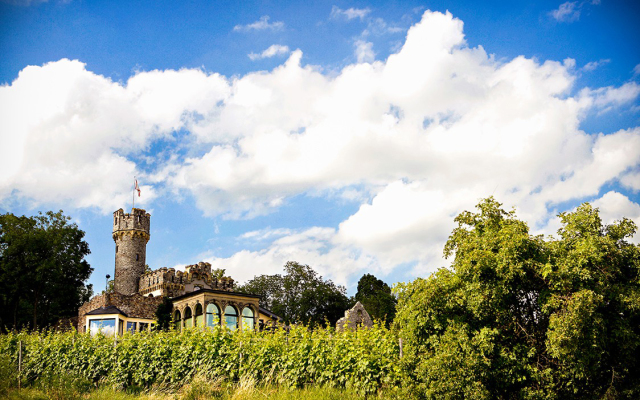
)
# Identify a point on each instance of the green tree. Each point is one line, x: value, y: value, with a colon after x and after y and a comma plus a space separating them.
x: 300, y: 295
x: 520, y: 316
x: 218, y: 273
x: 42, y: 269
x: 376, y: 297
x: 164, y: 313
x: 268, y: 287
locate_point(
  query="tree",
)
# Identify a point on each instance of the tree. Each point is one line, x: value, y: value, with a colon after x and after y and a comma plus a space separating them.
x: 164, y: 313
x: 268, y: 287
x: 300, y: 295
x: 218, y: 273
x: 520, y: 316
x: 376, y: 297
x: 42, y: 269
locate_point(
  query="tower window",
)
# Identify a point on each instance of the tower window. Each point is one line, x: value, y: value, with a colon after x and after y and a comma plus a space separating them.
x: 116, y: 248
x: 137, y: 257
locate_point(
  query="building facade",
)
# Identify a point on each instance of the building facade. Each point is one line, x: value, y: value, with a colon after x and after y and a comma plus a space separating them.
x: 199, y: 298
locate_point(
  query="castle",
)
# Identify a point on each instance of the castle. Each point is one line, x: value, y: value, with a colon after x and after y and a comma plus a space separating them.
x: 199, y: 298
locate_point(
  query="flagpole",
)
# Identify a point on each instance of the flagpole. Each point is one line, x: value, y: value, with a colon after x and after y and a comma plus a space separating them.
x: 133, y: 195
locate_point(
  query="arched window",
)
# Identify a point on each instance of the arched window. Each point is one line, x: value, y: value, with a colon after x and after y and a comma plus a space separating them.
x: 188, y: 318
x: 177, y: 320
x: 231, y: 317
x: 213, y: 315
x: 247, y: 319
x: 199, y: 316
x: 137, y: 257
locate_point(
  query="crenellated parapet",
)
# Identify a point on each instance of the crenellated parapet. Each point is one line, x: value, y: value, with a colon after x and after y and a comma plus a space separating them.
x: 135, y: 224
x: 171, y: 282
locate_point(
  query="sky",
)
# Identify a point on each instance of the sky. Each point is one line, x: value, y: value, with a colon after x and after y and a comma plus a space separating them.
x: 342, y: 135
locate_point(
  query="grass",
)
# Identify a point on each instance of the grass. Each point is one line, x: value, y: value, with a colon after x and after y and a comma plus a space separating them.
x: 192, y: 392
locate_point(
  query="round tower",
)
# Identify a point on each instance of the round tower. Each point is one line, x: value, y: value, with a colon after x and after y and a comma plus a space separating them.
x: 131, y: 234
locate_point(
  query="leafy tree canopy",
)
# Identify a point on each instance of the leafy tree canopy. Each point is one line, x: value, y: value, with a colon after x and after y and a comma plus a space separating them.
x: 42, y: 269
x: 518, y: 315
x: 376, y: 297
x: 300, y: 295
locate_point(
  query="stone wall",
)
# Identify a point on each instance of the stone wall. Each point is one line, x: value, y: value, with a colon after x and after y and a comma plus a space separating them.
x: 355, y: 318
x: 134, y: 305
x: 172, y: 283
x: 131, y: 234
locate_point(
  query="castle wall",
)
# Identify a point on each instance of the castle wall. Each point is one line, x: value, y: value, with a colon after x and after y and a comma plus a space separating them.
x: 172, y: 283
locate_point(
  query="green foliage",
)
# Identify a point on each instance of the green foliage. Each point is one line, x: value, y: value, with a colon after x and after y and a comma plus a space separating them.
x: 218, y: 273
x: 376, y: 297
x: 364, y: 361
x: 164, y: 314
x: 300, y: 296
x: 521, y: 316
x: 42, y: 269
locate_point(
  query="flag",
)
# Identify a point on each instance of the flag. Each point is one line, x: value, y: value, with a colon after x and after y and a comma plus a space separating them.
x: 137, y: 187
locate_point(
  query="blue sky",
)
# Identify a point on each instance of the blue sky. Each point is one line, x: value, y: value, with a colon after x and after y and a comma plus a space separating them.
x: 343, y: 135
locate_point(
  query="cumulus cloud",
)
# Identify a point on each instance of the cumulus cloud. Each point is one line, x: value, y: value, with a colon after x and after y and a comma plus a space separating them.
x: 260, y: 25
x: 613, y: 206
x: 608, y: 97
x: 415, y: 139
x: 349, y: 14
x: 271, y: 51
x: 315, y: 246
x: 69, y: 132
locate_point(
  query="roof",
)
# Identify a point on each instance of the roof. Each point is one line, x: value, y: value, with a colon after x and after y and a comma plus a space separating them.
x: 269, y: 313
x: 196, y: 292
x: 106, y: 310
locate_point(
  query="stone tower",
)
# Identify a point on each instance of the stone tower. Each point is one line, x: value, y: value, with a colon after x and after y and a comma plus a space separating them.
x: 131, y: 234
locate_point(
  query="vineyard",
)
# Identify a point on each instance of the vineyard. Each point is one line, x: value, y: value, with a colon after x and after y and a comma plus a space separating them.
x: 363, y: 361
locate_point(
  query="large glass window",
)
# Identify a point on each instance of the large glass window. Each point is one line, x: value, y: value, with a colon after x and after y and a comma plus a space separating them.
x: 144, y: 326
x: 188, y: 318
x: 213, y: 315
x: 199, y: 316
x: 231, y: 317
x: 131, y: 327
x: 247, y: 319
x: 106, y: 326
x: 177, y: 321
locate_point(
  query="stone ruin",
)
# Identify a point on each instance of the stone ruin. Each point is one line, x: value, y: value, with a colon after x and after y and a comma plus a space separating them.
x: 355, y: 318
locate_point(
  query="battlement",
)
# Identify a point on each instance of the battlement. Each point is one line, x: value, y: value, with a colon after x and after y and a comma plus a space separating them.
x: 138, y: 221
x: 169, y: 282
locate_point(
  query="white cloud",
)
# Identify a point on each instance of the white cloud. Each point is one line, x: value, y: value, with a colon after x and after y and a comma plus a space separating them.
x: 631, y: 180
x: 271, y: 51
x: 418, y: 138
x: 260, y: 25
x: 593, y: 65
x: 609, y: 97
x: 567, y: 12
x: 314, y: 246
x: 364, y: 51
x: 614, y: 206
x: 378, y: 27
x: 636, y: 70
x: 349, y: 14
x: 68, y: 132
